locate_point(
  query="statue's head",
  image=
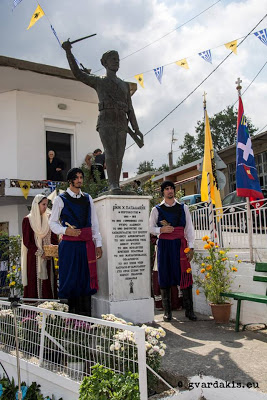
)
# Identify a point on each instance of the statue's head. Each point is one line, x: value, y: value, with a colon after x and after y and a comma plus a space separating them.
x: 111, y: 60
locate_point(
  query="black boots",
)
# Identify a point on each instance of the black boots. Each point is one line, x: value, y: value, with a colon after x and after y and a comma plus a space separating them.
x: 188, y: 303
x: 80, y: 305
x: 166, y: 303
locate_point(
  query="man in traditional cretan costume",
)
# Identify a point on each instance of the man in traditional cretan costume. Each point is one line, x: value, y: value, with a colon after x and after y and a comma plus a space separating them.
x: 74, y: 217
x: 172, y: 223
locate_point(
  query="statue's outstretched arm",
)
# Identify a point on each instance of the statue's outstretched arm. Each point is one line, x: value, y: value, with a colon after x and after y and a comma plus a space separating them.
x: 84, y: 77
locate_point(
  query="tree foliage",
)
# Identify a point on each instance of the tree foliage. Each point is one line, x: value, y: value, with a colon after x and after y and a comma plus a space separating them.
x: 145, y: 166
x: 223, y: 131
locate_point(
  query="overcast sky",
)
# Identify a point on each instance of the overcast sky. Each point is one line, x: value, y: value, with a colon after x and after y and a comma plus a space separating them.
x: 128, y: 25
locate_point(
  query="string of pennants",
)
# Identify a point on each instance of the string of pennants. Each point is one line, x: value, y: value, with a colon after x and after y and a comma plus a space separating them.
x: 205, y: 55
x: 38, y: 14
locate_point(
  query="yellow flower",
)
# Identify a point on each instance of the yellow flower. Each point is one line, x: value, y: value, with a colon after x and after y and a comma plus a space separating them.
x: 211, y: 244
x: 202, y: 270
x: 188, y: 270
x: 14, y: 267
x: 239, y: 261
x: 224, y: 258
x: 236, y: 256
x: 217, y: 246
x: 234, y: 269
x: 222, y: 252
x: 8, y: 276
x: 209, y: 267
x: 208, y: 258
x: 19, y: 269
x: 13, y: 283
x: 203, y: 265
x: 207, y: 247
x: 197, y: 292
x: 56, y: 267
x: 186, y: 250
x: 205, y: 238
x: 208, y: 275
x: 56, y: 259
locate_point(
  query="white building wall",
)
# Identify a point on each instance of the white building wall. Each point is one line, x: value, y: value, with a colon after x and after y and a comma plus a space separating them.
x: 34, y: 114
x: 8, y: 135
x: 10, y: 214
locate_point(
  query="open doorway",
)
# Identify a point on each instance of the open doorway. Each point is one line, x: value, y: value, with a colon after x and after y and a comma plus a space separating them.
x: 60, y: 143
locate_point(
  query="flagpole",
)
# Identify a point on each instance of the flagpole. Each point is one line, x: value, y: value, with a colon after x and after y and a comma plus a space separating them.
x: 210, y: 205
x: 238, y: 88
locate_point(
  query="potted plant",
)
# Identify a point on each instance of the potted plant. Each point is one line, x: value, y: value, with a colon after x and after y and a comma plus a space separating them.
x: 214, y: 276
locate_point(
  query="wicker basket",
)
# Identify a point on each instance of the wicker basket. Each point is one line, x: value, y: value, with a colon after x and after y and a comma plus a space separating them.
x: 51, y: 250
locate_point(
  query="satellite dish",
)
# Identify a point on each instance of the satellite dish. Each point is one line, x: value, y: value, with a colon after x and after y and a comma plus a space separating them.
x: 220, y: 164
x: 221, y: 179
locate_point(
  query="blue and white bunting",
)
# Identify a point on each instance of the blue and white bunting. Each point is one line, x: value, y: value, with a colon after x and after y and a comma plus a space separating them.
x: 55, y: 33
x: 159, y: 72
x: 16, y: 3
x: 206, y: 55
x: 262, y: 35
x: 52, y: 185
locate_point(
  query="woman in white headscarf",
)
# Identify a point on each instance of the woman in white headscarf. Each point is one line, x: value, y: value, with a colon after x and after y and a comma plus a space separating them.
x: 38, y: 271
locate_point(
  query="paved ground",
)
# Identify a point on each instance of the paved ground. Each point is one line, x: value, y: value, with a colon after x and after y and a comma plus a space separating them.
x: 213, y: 350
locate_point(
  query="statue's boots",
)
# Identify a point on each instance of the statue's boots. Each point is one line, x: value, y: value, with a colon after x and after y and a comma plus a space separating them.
x: 166, y: 303
x: 188, y: 303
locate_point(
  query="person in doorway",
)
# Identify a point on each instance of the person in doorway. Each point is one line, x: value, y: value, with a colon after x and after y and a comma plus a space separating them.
x: 54, y: 167
x: 38, y: 271
x: 98, y: 165
x: 74, y: 216
x: 172, y: 222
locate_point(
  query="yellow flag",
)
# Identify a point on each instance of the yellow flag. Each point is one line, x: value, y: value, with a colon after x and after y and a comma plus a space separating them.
x: 140, y: 79
x: 38, y: 13
x: 210, y: 167
x: 183, y: 63
x: 232, y: 46
x: 25, y: 187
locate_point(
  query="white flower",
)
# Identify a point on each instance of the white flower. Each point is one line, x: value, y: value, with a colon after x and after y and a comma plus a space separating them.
x: 154, y: 341
x: 150, y: 352
x: 163, y: 346
x: 158, y: 336
x: 148, y: 346
x: 117, y: 346
x: 112, y: 347
x: 149, y: 338
x: 156, y: 348
x: 161, y: 352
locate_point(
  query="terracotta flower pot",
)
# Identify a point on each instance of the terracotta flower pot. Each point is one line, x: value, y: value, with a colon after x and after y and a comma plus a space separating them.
x: 221, y: 312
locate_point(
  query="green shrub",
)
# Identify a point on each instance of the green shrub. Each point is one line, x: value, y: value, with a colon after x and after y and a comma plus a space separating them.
x: 105, y: 384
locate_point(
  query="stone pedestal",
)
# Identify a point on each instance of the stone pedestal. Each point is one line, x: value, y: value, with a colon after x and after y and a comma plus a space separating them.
x: 124, y: 270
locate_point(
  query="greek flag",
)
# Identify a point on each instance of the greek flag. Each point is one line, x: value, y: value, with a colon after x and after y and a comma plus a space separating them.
x: 262, y: 35
x: 159, y: 72
x: 55, y: 33
x: 206, y: 55
x: 15, y: 3
x: 52, y: 185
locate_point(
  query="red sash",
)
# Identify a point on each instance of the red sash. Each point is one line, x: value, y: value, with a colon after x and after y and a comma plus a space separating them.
x: 178, y: 233
x: 86, y: 236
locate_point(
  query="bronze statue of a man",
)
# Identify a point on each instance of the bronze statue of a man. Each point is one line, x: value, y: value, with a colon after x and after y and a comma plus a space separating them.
x: 115, y: 111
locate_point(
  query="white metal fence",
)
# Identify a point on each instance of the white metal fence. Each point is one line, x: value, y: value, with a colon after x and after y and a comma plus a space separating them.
x: 71, y: 345
x: 232, y: 229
